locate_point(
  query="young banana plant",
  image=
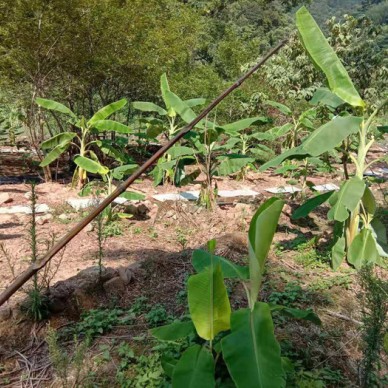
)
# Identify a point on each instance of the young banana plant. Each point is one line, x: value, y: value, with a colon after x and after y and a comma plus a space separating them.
x: 82, y: 139
x: 244, y: 339
x: 165, y: 171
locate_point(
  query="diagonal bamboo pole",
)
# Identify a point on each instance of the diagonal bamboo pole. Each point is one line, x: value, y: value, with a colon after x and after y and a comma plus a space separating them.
x: 39, y: 264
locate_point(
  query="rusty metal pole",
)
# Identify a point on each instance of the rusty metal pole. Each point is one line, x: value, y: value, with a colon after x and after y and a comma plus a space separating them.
x: 35, y: 267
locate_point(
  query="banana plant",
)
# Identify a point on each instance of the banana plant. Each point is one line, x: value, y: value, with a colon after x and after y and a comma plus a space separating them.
x: 108, y: 177
x: 244, y: 339
x: 243, y: 141
x: 168, y: 126
x: 82, y: 139
x: 358, y: 235
x: 296, y: 129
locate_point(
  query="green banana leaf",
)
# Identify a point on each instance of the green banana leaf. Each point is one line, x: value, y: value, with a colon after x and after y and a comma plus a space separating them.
x: 324, y: 96
x: 111, y: 125
x: 195, y: 102
x: 363, y: 249
x: 293, y: 153
x: 324, y: 58
x: 261, y: 231
x: 90, y: 165
x: 55, y: 106
x: 107, y: 111
x: 202, y: 260
x: 347, y: 199
x: 251, y: 351
x: 122, y: 171
x: 232, y: 163
x: 54, y: 154
x: 331, y: 134
x: 281, y: 107
x: 173, y: 331
x: 132, y: 196
x: 338, y: 253
x: 240, y: 125
x: 149, y: 107
x: 208, y: 302
x: 60, y: 140
x: 194, y: 369
x: 310, y: 205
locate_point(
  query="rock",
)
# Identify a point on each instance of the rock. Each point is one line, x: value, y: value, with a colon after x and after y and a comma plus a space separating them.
x: 5, y: 198
x: 64, y: 217
x: 115, y: 286
x: 5, y: 313
x: 43, y: 219
x: 125, y: 274
x: 89, y: 227
x: 27, y: 195
x: 140, y: 210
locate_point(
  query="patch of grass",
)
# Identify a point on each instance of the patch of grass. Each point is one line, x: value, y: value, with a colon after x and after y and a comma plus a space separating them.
x: 157, y: 315
x: 112, y: 229
x: 292, y: 295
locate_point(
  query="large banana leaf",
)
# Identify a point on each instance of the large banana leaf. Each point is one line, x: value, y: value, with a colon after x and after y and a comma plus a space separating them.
x: 111, y: 125
x: 326, y: 59
x: 260, y: 235
x: 251, y: 351
x: 54, y: 154
x: 90, y: 165
x: 331, y: 134
x: 208, y: 302
x: 194, y: 369
x: 132, y: 196
x: 325, y: 97
x: 106, y: 111
x: 178, y: 151
x: 346, y: 199
x: 338, y: 253
x: 53, y: 105
x: 232, y: 163
x: 202, y: 260
x: 60, y: 140
x: 149, y: 107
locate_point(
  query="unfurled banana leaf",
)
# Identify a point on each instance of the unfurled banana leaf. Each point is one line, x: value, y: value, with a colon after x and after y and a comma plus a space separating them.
x: 194, y: 369
x: 111, y: 125
x: 90, y: 165
x: 331, y: 134
x: 251, y: 351
x: 293, y: 153
x: 324, y: 57
x: 324, y: 96
x: 149, y: 107
x: 208, y: 302
x: 55, y: 106
x: 234, y: 128
x: 54, y: 154
x: 107, y: 111
x: 61, y: 140
x: 232, y: 163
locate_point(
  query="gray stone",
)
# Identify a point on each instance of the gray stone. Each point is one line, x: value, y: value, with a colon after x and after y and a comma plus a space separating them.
x: 5, y: 313
x: 237, y: 193
x: 115, y: 286
x: 42, y: 208
x: 89, y: 227
x: 125, y: 274
x: 283, y: 189
x: 5, y: 198
x: 64, y: 217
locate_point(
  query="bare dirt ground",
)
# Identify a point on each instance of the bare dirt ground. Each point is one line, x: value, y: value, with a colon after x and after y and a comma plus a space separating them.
x: 162, y: 238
